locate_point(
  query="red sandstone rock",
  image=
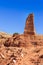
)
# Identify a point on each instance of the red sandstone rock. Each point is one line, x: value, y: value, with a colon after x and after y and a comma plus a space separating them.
x: 29, y: 27
x: 24, y: 49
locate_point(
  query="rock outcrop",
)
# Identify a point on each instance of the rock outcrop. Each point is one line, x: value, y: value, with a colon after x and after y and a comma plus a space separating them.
x: 22, y: 49
x: 4, y: 35
x: 29, y: 27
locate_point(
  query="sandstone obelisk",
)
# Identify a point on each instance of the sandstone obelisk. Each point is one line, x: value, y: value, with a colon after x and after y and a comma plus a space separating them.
x: 29, y: 27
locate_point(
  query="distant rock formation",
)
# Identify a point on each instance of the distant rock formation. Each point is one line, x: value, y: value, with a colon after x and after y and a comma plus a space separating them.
x: 29, y: 27
x: 4, y: 35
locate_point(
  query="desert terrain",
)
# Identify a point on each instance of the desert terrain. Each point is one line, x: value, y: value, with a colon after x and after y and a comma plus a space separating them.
x: 22, y: 49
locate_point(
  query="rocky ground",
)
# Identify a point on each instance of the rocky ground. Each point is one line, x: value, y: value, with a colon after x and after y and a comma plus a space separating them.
x: 21, y: 50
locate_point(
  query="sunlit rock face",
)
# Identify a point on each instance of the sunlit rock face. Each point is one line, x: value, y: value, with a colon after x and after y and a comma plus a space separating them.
x: 22, y: 49
x: 29, y: 27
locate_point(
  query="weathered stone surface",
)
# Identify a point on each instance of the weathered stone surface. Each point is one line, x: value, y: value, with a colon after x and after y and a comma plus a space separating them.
x: 21, y: 49
x: 29, y: 27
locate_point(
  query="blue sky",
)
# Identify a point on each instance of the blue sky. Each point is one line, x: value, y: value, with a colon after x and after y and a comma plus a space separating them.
x: 13, y: 14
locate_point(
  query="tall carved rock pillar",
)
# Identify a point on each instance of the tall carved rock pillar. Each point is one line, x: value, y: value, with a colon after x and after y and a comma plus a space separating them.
x: 29, y: 27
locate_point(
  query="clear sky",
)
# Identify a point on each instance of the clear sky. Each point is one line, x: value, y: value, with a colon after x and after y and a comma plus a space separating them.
x: 13, y: 15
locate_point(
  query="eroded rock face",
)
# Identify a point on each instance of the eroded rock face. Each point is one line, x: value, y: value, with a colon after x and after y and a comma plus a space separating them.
x: 22, y: 49
x: 29, y: 27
